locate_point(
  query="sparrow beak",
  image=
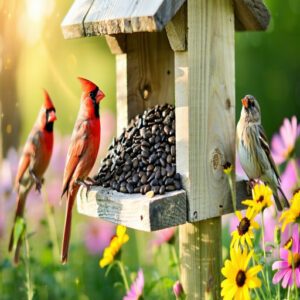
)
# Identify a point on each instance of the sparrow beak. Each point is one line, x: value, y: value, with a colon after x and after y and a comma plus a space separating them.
x: 100, y: 95
x: 51, y: 116
x: 245, y: 102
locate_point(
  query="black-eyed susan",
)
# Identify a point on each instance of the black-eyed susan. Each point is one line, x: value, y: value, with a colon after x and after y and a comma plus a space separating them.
x: 261, y: 197
x: 292, y: 215
x: 238, y: 278
x: 243, y: 235
x: 114, y: 247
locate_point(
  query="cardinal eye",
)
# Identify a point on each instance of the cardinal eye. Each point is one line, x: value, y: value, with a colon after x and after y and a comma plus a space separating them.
x: 93, y: 94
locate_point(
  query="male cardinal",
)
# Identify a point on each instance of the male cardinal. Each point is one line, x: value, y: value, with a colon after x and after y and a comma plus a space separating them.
x: 33, y: 163
x: 82, y: 152
x: 254, y: 151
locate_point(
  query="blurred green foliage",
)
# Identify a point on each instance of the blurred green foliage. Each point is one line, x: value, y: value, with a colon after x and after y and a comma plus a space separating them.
x: 268, y: 65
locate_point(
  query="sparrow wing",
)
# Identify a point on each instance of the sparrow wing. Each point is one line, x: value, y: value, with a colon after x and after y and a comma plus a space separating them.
x: 265, y: 146
x: 79, y: 142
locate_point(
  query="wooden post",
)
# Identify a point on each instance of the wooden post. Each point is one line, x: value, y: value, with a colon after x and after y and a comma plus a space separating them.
x: 205, y: 102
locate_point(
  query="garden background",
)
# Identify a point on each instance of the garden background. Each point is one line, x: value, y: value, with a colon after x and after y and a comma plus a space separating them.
x: 34, y: 55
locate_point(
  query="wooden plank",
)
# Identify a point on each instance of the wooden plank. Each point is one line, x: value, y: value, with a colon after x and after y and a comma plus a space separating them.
x: 135, y: 210
x: 176, y: 30
x: 127, y: 16
x: 117, y: 43
x: 145, y: 75
x: 211, y: 106
x: 210, y: 141
x: 251, y: 15
x: 72, y: 24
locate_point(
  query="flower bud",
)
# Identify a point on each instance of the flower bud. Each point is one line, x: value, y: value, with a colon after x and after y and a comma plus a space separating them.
x: 178, y: 289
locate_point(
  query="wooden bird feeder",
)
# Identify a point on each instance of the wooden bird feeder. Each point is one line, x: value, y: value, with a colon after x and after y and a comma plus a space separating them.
x: 179, y: 52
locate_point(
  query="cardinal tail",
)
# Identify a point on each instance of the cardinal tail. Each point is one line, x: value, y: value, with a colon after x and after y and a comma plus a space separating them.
x: 21, y: 200
x: 67, y: 227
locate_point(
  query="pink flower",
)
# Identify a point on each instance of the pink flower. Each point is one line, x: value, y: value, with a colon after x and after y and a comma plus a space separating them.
x: 289, y: 178
x: 163, y: 236
x: 177, y: 289
x: 97, y: 234
x: 136, y: 289
x: 284, y: 142
x: 290, y: 256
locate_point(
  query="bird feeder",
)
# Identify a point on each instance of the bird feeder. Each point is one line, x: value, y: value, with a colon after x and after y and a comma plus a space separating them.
x: 182, y: 53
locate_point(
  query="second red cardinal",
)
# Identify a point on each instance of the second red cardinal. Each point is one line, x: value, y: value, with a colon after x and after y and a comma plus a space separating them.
x: 82, y: 152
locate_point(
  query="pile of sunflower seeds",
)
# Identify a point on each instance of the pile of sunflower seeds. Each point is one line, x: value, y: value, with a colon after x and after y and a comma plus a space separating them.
x: 143, y: 158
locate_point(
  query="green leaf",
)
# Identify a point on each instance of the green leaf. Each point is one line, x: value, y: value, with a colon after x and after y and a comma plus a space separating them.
x: 19, y: 231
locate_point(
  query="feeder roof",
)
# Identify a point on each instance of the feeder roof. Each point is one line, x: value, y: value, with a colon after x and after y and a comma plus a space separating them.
x: 105, y: 17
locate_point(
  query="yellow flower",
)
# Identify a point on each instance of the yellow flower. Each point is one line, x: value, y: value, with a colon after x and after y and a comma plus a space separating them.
x: 261, y: 197
x: 114, y: 247
x: 238, y: 280
x: 244, y: 233
x: 227, y: 168
x: 293, y: 213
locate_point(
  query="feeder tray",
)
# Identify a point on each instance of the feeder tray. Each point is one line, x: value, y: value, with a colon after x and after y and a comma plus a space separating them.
x: 134, y: 210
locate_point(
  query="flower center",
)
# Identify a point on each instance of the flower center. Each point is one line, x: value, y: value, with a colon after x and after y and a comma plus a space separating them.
x: 260, y: 199
x: 240, y: 278
x: 294, y: 258
x: 243, y: 226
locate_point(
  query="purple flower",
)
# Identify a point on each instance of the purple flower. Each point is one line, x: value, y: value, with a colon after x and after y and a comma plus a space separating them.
x: 284, y: 142
x: 177, y: 289
x: 97, y: 234
x: 136, y: 289
x: 290, y: 255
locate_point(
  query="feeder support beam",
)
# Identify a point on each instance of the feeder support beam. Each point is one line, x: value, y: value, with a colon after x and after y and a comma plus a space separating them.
x: 205, y: 108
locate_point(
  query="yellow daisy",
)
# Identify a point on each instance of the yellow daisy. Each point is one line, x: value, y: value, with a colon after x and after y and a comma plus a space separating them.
x: 238, y: 280
x: 261, y: 197
x: 114, y: 247
x: 244, y: 233
x: 292, y: 215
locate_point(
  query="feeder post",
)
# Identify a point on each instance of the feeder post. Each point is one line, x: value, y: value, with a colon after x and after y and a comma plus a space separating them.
x: 205, y: 139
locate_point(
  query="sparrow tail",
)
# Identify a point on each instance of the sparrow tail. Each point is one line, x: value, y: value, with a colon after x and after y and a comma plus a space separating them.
x: 277, y: 201
x: 286, y: 202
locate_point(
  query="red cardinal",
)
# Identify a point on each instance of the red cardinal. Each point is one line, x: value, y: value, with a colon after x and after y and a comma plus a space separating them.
x: 82, y: 152
x: 33, y: 163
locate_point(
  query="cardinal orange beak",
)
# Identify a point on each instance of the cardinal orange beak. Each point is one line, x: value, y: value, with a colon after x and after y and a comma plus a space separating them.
x: 51, y: 116
x: 245, y: 102
x: 100, y: 95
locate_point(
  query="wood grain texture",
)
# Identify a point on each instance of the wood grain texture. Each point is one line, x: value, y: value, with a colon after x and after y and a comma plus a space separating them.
x: 177, y: 30
x: 211, y: 90
x: 135, y: 210
x: 73, y: 23
x: 127, y: 16
x: 206, y: 98
x: 251, y: 15
x: 200, y: 247
x: 117, y: 43
x: 145, y: 74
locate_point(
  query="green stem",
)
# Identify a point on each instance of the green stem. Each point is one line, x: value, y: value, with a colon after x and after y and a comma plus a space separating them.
x: 52, y: 227
x: 175, y: 258
x: 123, y: 274
x: 278, y: 285
x: 260, y: 290
x: 233, y: 195
x: 29, y: 285
x: 264, y: 251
